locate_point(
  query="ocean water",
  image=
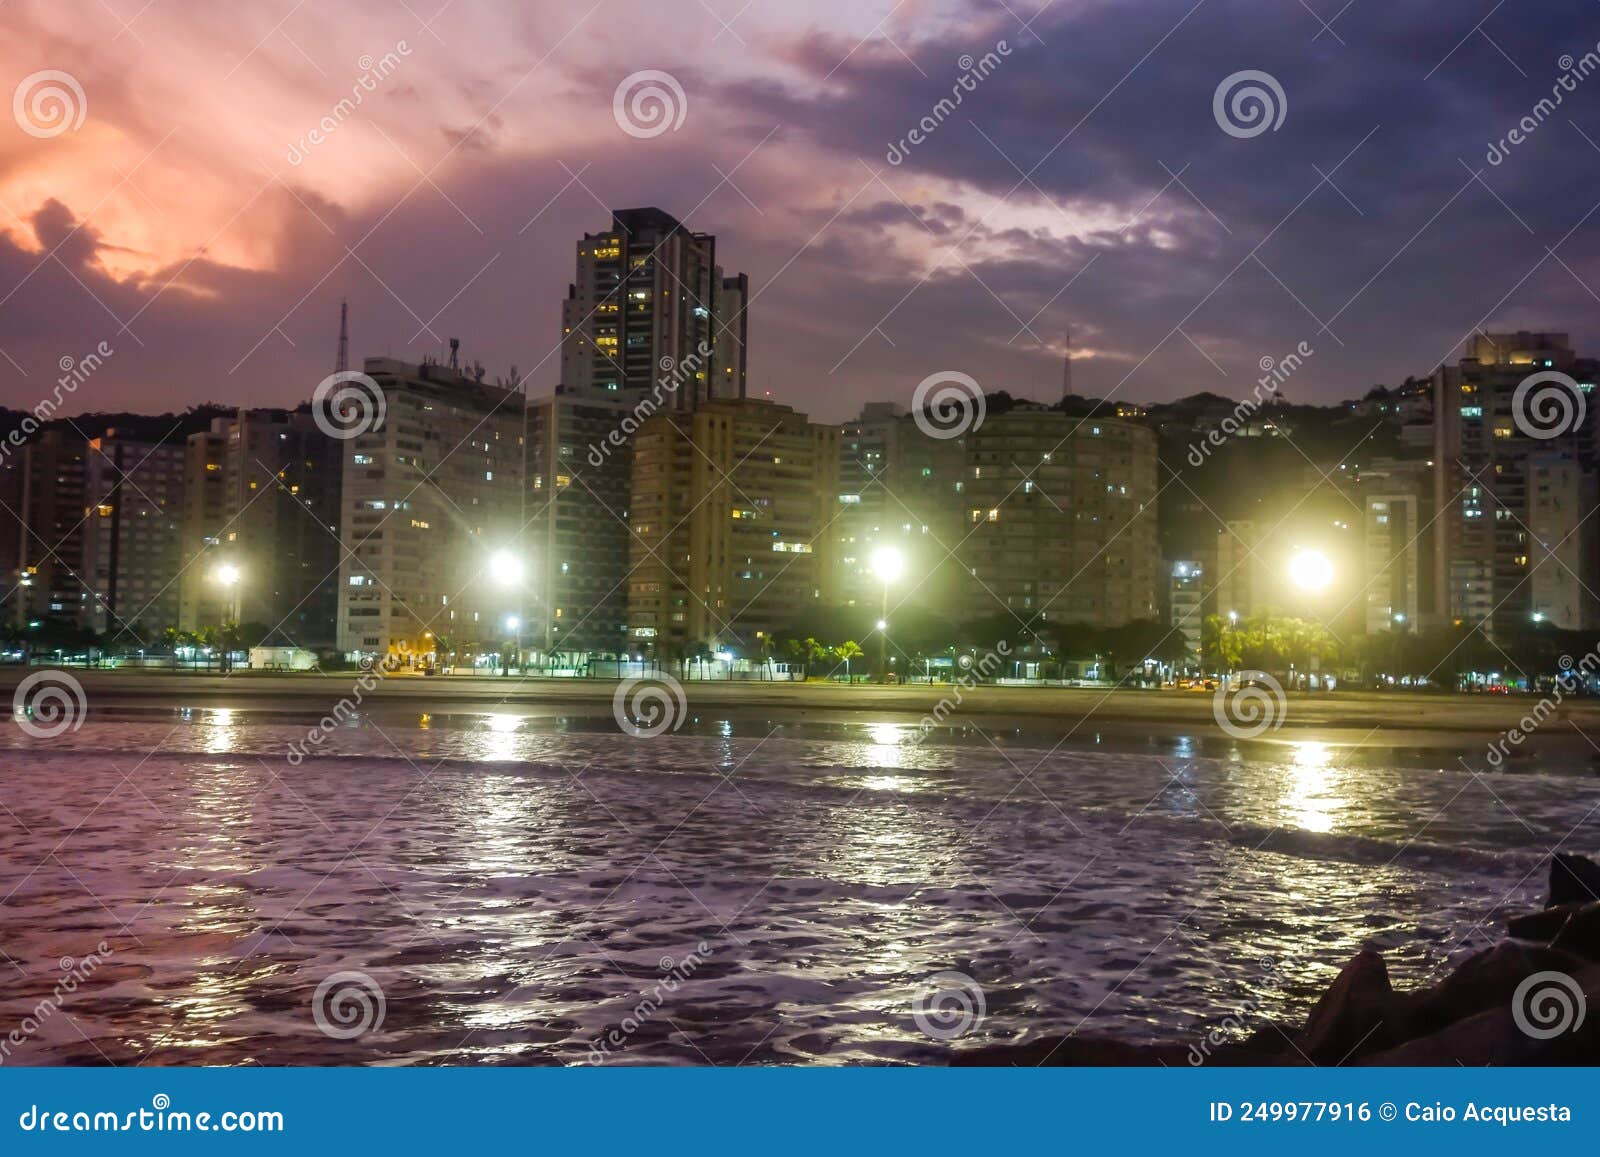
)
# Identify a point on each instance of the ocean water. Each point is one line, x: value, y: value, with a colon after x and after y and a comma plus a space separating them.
x: 487, y: 889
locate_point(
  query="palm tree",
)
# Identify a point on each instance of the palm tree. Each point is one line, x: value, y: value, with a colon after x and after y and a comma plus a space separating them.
x: 847, y: 650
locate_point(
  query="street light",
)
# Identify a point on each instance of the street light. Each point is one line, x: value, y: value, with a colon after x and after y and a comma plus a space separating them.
x: 1311, y: 571
x: 888, y: 563
x: 506, y: 568
x: 228, y: 575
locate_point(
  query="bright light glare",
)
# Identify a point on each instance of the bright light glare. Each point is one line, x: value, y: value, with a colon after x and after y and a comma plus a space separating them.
x: 505, y: 568
x: 888, y: 563
x: 513, y: 623
x: 227, y: 574
x: 1311, y: 571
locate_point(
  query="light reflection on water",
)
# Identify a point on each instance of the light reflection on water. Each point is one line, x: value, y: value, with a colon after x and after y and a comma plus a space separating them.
x: 514, y: 884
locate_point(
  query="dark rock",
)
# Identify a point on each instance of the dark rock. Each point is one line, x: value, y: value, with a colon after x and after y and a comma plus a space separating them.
x: 1492, y: 1037
x: 1360, y: 1013
x: 1487, y: 980
x: 1580, y: 935
x: 1573, y: 879
x: 1541, y: 926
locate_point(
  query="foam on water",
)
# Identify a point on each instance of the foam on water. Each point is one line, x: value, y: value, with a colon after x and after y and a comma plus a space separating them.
x: 520, y: 891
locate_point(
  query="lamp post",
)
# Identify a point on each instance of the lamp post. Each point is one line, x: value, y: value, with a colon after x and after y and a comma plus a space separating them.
x: 888, y: 564
x: 228, y: 576
x: 507, y: 570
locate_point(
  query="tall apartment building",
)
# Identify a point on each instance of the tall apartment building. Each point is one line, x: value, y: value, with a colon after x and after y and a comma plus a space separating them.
x: 899, y: 488
x: 202, y: 600
x: 1060, y: 516
x: 432, y: 502
x: 648, y: 295
x: 1186, y: 603
x: 131, y: 546
x: 730, y: 506
x: 261, y: 497
x: 44, y: 529
x: 1398, y: 539
x: 1492, y: 481
x: 577, y: 529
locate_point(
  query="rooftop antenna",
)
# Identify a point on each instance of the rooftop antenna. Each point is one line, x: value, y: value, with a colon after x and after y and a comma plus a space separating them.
x: 1066, y: 369
x: 455, y: 350
x: 343, y: 362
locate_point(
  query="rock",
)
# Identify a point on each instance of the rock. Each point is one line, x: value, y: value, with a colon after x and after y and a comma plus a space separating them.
x: 1492, y: 1037
x: 1541, y: 926
x: 1360, y: 1013
x: 1580, y: 935
x: 1488, y: 980
x: 1573, y: 879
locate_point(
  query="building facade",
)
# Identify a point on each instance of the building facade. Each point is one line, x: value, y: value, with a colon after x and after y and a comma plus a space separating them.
x: 730, y: 511
x: 431, y: 514
x: 1497, y: 473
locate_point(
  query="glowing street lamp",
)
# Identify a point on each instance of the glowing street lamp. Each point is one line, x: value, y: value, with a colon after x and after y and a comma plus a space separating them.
x: 506, y: 569
x: 1311, y: 571
x: 888, y: 564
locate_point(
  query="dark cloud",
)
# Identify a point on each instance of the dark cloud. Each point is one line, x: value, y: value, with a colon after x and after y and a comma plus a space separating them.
x: 1084, y: 185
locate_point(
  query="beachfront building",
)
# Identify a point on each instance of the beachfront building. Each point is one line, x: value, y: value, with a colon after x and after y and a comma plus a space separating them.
x: 731, y: 512
x: 1059, y: 516
x: 431, y: 501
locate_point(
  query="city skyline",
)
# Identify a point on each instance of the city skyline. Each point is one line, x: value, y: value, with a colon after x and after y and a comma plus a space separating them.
x: 1176, y: 254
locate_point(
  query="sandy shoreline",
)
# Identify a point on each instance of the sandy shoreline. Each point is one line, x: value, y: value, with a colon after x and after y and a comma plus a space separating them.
x: 1466, y: 723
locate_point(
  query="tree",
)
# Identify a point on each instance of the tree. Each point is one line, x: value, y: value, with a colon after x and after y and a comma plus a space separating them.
x: 847, y: 650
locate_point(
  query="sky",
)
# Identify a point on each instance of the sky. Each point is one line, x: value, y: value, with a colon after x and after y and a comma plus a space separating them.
x: 1087, y: 183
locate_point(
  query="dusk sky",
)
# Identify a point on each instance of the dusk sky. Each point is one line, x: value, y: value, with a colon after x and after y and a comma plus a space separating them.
x: 1084, y: 185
